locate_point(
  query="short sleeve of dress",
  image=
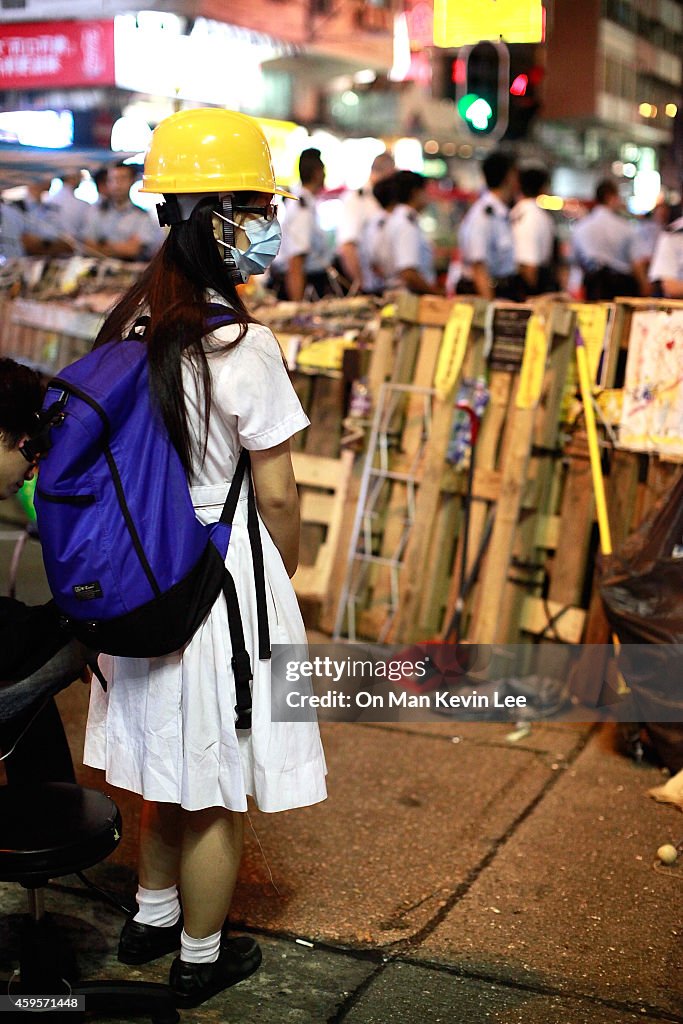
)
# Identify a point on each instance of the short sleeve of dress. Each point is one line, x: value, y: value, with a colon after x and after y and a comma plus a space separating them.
x: 253, y: 386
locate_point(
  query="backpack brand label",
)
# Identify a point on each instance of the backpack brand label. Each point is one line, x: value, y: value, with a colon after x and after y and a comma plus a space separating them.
x: 87, y: 591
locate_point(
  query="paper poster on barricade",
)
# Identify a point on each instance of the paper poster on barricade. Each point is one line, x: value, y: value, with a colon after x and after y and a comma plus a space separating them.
x: 591, y: 320
x: 453, y: 347
x: 533, y: 364
x: 652, y: 410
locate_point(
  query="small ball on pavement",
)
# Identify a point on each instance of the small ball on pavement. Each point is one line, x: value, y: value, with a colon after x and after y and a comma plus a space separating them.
x: 668, y: 854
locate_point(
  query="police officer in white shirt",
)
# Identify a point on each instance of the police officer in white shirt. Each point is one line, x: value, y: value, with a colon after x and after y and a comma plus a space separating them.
x: 120, y: 229
x: 404, y: 253
x: 70, y: 212
x: 666, y: 268
x: 533, y: 232
x: 373, y: 237
x: 360, y: 212
x: 41, y: 234
x: 487, y: 248
x: 301, y: 266
x: 605, y: 247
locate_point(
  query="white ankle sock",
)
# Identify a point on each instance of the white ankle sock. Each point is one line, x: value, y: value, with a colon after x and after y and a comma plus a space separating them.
x: 158, y: 907
x: 199, y: 951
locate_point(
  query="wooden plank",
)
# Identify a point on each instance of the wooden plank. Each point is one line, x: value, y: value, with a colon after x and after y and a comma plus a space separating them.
x: 412, y: 580
x: 549, y: 529
x: 576, y: 514
x: 486, y: 628
x: 316, y: 508
x: 542, y: 464
x: 334, y: 539
x: 622, y: 494
x: 537, y: 614
x: 328, y: 610
x: 615, y: 328
x: 438, y: 568
x: 316, y: 470
x: 434, y: 310
x: 381, y: 358
x: 325, y: 413
x: 313, y: 581
x: 487, y: 479
x: 419, y: 355
x: 413, y: 426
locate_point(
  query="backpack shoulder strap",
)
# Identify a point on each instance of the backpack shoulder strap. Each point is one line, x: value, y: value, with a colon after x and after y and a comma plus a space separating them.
x: 219, y: 316
x: 227, y: 515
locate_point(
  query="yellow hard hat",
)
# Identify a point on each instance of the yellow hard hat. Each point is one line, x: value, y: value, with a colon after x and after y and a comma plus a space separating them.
x: 209, y: 150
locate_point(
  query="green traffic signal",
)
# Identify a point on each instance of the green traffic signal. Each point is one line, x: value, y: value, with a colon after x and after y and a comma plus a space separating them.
x: 476, y: 111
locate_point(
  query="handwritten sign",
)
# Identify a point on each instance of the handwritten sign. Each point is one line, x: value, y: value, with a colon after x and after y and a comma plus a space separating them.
x: 533, y: 364
x: 453, y: 347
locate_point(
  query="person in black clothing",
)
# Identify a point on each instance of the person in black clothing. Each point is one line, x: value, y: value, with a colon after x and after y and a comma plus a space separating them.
x: 37, y: 655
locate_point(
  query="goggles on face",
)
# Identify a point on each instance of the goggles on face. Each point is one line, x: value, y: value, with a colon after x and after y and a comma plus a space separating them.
x: 268, y: 212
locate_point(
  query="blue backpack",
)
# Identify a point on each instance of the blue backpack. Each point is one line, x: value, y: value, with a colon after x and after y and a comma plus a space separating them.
x: 130, y: 566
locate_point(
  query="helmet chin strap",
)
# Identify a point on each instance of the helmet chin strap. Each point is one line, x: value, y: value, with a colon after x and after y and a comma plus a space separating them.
x: 228, y: 232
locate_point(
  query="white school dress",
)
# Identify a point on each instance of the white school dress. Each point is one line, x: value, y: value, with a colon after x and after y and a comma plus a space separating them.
x: 165, y: 727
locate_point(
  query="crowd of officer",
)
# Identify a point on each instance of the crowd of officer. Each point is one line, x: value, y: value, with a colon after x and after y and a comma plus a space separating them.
x: 507, y: 245
x: 60, y: 225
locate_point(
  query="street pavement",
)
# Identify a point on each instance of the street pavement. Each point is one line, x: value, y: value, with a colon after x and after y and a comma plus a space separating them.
x: 451, y: 876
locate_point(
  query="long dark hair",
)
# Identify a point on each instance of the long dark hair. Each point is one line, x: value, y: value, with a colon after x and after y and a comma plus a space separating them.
x: 21, y: 395
x: 172, y: 292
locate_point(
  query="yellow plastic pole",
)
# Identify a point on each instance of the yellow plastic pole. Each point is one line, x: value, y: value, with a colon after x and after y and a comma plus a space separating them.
x: 596, y: 470
x: 593, y: 446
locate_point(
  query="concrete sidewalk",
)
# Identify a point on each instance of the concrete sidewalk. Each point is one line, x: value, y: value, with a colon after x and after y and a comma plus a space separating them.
x: 450, y: 876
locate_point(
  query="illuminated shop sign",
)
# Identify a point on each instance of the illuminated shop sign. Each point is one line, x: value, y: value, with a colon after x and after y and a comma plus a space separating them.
x: 202, y: 61
x: 513, y: 21
x: 40, y: 55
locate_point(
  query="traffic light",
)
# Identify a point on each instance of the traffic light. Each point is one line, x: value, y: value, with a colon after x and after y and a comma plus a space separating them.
x: 481, y: 75
x: 525, y: 78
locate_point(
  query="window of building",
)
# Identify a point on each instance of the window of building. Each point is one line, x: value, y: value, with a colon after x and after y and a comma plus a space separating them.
x: 622, y: 12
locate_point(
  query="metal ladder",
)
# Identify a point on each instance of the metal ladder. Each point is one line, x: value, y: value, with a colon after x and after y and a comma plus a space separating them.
x: 373, y: 496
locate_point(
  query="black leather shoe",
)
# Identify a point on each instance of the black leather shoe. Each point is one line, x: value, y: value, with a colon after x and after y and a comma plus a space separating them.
x: 140, y: 943
x: 193, y: 984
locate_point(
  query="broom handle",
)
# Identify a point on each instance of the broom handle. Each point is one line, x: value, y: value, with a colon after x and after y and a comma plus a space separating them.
x: 596, y: 470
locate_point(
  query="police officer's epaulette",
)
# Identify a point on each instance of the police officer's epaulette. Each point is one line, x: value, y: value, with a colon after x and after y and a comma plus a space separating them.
x: 674, y: 226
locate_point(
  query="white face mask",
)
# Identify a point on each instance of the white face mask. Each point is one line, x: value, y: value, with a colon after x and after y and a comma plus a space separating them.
x: 265, y: 237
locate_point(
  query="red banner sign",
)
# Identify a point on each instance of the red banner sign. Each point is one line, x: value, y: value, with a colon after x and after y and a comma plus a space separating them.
x: 40, y: 55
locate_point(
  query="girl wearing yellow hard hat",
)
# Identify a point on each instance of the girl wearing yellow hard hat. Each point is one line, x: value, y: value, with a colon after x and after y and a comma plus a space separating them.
x: 166, y: 727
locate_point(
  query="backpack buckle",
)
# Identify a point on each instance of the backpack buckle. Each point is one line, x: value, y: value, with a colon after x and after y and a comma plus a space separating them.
x: 241, y: 666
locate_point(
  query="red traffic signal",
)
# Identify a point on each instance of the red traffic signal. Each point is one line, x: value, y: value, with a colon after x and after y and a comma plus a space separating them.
x: 519, y: 85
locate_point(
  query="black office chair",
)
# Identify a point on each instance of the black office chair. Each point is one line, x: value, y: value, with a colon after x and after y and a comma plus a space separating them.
x: 45, y: 832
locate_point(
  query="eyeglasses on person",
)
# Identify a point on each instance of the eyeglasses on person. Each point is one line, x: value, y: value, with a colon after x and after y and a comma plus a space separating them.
x: 268, y: 212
